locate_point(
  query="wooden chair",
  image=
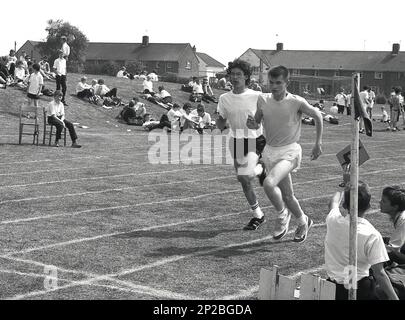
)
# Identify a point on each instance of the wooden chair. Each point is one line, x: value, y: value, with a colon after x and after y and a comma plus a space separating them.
x: 48, y: 130
x: 273, y: 286
x: 30, y: 121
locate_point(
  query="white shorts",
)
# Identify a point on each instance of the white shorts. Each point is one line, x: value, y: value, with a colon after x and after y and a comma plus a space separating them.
x: 291, y: 152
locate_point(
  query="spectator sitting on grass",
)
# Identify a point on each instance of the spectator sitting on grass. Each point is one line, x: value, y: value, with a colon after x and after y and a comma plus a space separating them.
x: 134, y: 113
x: 208, y: 95
x: 153, y: 76
x: 148, y: 86
x: 122, y: 73
x: 189, y: 86
x: 19, y: 74
x: 46, y: 69
x: 4, y: 74
x: 11, y: 62
x: 370, y: 249
x: 197, y: 94
x: 84, y: 90
x: 103, y: 91
x: 392, y: 203
x: 163, y: 96
x: 254, y: 85
x: 188, y: 120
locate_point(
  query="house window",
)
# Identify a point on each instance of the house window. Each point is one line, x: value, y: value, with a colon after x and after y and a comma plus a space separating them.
x: 337, y: 73
x: 295, y: 72
x: 378, y: 75
x: 169, y: 65
x: 188, y: 65
x: 316, y: 73
x: 361, y: 75
x: 157, y: 65
x: 255, y: 70
x: 399, y: 75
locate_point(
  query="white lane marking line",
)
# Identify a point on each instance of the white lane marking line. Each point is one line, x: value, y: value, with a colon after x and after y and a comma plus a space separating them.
x: 51, y: 160
x: 158, y: 184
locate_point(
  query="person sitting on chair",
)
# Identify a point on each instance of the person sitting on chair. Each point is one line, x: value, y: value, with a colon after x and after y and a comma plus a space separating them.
x: 56, y: 117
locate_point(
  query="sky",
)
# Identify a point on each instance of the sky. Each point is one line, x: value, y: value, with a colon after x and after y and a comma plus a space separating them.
x: 223, y: 29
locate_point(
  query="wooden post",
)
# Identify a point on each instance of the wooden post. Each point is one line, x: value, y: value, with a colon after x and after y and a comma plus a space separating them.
x: 354, y: 185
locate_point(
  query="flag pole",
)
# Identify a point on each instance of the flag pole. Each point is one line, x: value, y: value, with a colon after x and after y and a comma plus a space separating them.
x: 354, y: 185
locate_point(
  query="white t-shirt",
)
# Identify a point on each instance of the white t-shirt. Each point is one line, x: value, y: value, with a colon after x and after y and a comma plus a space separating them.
x: 236, y: 108
x: 340, y: 99
x: 10, y: 60
x: 397, y: 239
x: 120, y: 74
x: 102, y: 89
x: 153, y: 76
x: 35, y: 82
x: 82, y: 86
x: 364, y: 97
x: 147, y: 85
x: 281, y: 119
x: 19, y: 73
x: 370, y: 246
x: 206, y: 119
x: 163, y: 94
x: 65, y: 49
x: 197, y: 88
x: 56, y: 109
x: 60, y: 66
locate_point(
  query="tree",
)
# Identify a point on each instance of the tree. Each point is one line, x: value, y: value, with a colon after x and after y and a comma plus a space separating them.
x: 75, y: 38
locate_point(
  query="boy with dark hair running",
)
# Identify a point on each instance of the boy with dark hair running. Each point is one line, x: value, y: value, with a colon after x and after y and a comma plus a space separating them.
x: 246, y: 145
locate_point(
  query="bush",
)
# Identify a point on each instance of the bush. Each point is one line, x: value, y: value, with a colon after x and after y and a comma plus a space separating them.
x: 107, y: 68
x: 381, y: 100
x: 173, y: 77
x: 133, y: 67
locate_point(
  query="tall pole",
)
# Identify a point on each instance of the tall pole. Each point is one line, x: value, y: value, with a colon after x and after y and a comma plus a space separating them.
x: 354, y: 185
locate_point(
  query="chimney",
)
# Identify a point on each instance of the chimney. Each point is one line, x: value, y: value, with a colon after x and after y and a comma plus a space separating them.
x: 145, y: 41
x: 194, y: 49
x: 395, y: 49
x: 279, y: 46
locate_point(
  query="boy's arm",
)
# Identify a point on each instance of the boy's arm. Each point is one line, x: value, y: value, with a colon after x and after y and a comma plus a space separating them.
x: 253, y: 122
x: 382, y: 279
x: 335, y: 201
x: 316, y: 114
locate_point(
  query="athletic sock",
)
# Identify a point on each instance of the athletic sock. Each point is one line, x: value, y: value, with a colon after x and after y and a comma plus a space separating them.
x: 257, y: 212
x: 258, y: 170
x: 302, y: 220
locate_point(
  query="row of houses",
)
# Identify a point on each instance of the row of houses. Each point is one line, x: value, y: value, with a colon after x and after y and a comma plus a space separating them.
x: 310, y: 69
x: 178, y: 58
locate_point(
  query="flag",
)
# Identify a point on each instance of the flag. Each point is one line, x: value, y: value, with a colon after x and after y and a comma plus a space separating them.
x: 360, y: 111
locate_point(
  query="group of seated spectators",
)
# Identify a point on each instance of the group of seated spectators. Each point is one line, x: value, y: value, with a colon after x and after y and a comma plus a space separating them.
x: 178, y: 119
x: 123, y: 73
x: 97, y: 93
x: 199, y: 91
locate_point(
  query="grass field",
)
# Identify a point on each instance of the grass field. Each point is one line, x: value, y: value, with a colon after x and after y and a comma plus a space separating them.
x: 117, y: 227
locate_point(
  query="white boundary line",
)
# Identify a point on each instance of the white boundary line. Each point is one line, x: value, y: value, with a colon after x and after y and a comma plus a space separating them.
x: 169, y: 183
x: 51, y: 160
x: 169, y: 151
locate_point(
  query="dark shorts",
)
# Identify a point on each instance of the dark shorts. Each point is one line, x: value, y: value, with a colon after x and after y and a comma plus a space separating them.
x: 33, y: 96
x: 237, y: 146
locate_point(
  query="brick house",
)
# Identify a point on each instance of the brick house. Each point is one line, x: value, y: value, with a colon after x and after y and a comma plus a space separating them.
x: 30, y: 48
x: 208, y: 66
x: 311, y: 69
x: 178, y: 58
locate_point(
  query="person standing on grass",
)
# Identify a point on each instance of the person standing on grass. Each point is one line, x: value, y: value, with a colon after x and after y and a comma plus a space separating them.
x: 65, y: 48
x: 59, y: 66
x: 56, y: 117
x: 371, y: 252
x: 246, y: 145
x: 280, y: 112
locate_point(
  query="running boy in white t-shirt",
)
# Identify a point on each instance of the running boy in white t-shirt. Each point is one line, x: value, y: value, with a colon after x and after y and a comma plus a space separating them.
x: 246, y: 145
x: 281, y: 113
